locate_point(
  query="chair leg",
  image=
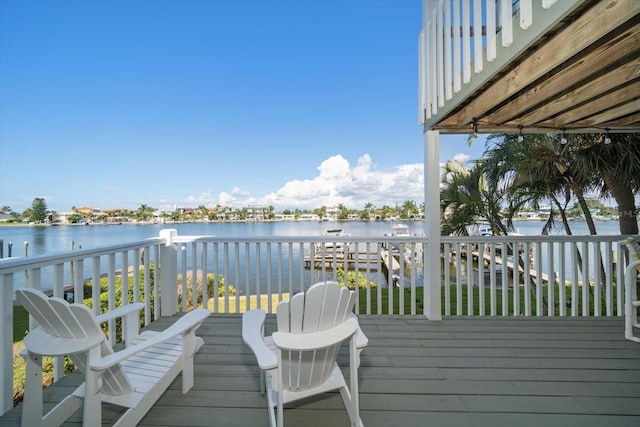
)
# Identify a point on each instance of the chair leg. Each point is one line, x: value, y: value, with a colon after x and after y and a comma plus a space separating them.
x: 630, y: 312
x: 92, y: 415
x: 32, y: 403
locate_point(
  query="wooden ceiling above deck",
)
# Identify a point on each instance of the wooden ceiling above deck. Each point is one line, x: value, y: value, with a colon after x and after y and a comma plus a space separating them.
x: 582, y: 76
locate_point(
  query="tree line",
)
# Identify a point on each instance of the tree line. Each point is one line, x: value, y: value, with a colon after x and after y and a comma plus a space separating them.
x: 38, y: 213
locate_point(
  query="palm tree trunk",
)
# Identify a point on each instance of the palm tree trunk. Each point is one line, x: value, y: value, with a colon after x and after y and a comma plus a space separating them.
x: 623, y: 194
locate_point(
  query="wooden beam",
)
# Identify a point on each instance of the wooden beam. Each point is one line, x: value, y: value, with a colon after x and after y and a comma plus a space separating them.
x: 612, y: 82
x: 602, y: 18
x: 539, y: 102
x: 597, y: 104
x: 610, y: 114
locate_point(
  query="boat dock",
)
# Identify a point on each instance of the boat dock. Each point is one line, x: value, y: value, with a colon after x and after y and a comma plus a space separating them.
x: 366, y: 259
x: 499, y: 262
x: 390, y: 262
x: 331, y: 261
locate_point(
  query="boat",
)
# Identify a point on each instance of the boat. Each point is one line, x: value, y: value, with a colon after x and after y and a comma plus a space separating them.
x: 331, y: 249
x: 483, y: 228
x: 399, y: 230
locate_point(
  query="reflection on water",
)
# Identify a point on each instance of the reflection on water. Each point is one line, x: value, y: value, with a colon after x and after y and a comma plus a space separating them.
x: 39, y: 241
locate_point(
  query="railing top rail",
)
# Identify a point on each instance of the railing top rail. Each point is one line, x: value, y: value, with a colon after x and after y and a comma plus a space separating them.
x: 534, y: 239
x: 15, y: 264
x: 301, y: 239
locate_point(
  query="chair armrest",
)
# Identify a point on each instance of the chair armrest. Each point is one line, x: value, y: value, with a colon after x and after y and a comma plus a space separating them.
x: 120, y: 312
x: 361, y: 338
x: 130, y: 320
x: 253, y: 336
x: 39, y: 342
x: 184, y: 325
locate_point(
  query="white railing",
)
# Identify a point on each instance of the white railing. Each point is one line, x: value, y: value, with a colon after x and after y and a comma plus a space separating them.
x: 243, y: 273
x: 550, y: 271
x: 463, y: 43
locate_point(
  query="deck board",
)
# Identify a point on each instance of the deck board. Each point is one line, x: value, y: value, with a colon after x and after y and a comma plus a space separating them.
x: 461, y: 371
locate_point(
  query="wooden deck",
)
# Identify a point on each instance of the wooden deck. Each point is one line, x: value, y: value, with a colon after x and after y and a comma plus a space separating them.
x: 458, y: 372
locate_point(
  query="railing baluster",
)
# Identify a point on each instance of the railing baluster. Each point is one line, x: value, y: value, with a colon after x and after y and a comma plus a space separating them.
x: 269, y: 290
x: 379, y: 248
x: 458, y: 279
x: 550, y: 280
x: 527, y: 278
x: 562, y: 294
x: 147, y: 286
x: 136, y: 275
x: 507, y: 22
x: 205, y: 276
x: 194, y: 275
x: 586, y: 279
x: 575, y: 295
x: 447, y: 278
x: 505, y: 279
x: 470, y: 279
x: 477, y: 36
x: 539, y: 290
x: 257, y: 284
x: 247, y: 275
x: 124, y: 277
x: 236, y: 249
x: 516, y: 279
x: 597, y: 284
x: 493, y: 278
x: 156, y: 282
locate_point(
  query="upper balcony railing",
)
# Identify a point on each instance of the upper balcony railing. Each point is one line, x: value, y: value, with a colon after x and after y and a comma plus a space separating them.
x: 463, y: 43
x: 480, y: 276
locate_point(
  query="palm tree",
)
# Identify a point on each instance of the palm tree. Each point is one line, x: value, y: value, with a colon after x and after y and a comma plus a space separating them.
x: 144, y: 212
x: 368, y: 208
x: 467, y: 197
x: 535, y: 169
x: 612, y: 164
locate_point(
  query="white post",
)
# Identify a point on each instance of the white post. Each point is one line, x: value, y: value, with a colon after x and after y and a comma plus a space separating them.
x: 169, y: 273
x: 432, y: 286
x: 6, y: 338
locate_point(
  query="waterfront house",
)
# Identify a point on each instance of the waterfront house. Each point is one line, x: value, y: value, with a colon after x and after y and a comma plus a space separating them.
x: 485, y: 66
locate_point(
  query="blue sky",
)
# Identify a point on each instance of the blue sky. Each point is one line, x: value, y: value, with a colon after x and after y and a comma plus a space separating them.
x: 295, y: 104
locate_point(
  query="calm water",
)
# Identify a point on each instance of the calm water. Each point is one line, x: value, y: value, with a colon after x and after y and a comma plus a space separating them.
x: 50, y: 240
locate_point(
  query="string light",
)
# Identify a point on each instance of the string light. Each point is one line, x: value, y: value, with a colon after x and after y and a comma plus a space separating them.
x: 520, y: 135
x: 607, y: 137
x: 563, y: 140
x: 474, y: 126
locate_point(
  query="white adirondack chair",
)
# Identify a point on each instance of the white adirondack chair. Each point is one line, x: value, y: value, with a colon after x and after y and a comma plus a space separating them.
x: 631, y: 300
x: 134, y: 377
x: 299, y: 360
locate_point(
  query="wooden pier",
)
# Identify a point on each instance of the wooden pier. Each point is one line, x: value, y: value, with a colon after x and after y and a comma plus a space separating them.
x: 371, y: 260
x: 498, y: 261
x: 390, y: 262
x: 329, y: 261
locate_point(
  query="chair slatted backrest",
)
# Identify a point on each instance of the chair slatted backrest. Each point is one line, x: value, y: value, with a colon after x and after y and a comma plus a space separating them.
x: 322, y: 307
x: 634, y: 248
x: 60, y: 319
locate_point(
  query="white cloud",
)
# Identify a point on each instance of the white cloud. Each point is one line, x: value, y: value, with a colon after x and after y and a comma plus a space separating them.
x: 202, y: 199
x: 338, y: 182
x: 462, y: 157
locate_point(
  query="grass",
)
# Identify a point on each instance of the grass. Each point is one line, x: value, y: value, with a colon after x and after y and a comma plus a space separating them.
x: 20, y: 323
x: 252, y: 300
